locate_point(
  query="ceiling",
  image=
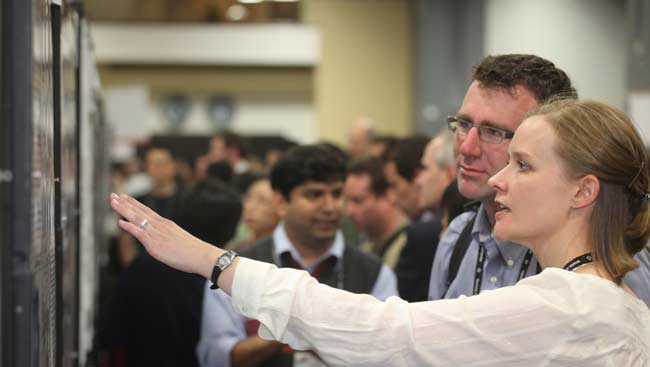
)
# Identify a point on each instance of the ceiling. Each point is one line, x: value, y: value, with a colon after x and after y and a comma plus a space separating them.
x: 188, y: 11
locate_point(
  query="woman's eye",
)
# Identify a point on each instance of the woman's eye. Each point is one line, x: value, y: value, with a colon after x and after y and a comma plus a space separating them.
x: 522, y: 165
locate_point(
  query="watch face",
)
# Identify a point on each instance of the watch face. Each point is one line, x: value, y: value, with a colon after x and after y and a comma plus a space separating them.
x: 223, y: 261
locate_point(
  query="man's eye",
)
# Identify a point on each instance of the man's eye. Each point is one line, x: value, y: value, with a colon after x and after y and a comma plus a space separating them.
x: 311, y: 194
x: 464, y: 125
x: 493, y: 132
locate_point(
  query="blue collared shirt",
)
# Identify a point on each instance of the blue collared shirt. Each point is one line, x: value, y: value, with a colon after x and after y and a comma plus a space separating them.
x: 222, y: 327
x: 503, y: 262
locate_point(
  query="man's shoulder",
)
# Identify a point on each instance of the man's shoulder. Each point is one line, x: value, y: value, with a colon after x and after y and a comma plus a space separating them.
x: 261, y: 250
x: 353, y: 254
x: 425, y: 231
x: 458, y: 225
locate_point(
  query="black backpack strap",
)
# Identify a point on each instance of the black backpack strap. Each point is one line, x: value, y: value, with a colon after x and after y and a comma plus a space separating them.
x: 460, y: 248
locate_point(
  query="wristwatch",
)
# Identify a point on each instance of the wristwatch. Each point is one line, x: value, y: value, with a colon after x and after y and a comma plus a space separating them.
x: 223, y: 262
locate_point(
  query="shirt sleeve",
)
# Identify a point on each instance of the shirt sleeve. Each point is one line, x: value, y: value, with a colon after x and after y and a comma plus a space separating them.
x: 385, y: 285
x: 495, y: 328
x: 440, y: 267
x: 221, y: 329
x: 639, y: 279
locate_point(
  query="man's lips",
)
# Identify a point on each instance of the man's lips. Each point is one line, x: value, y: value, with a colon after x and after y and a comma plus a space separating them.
x: 326, y: 224
x: 466, y: 170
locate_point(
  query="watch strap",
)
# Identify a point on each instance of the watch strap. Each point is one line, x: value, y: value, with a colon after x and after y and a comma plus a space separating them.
x: 221, y: 265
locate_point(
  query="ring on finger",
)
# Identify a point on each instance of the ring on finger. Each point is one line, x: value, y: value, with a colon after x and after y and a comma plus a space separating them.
x: 144, y: 223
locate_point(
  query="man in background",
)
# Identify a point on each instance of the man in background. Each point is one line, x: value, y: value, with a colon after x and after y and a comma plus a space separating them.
x: 361, y: 137
x: 164, y: 197
x: 402, y: 165
x: 308, y: 194
x: 370, y: 204
x: 439, y: 170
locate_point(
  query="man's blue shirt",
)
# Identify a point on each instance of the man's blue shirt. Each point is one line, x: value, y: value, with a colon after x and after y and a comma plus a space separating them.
x: 503, y: 262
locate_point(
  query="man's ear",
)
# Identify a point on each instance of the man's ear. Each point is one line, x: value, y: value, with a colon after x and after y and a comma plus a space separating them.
x: 587, y: 191
x: 390, y: 196
x: 280, y: 204
x: 450, y: 173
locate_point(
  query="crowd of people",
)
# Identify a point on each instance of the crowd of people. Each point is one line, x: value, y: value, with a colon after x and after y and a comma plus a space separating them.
x: 529, y: 213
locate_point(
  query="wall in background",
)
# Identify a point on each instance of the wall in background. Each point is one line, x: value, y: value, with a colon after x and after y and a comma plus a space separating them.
x: 586, y: 38
x: 266, y: 101
x: 366, y: 65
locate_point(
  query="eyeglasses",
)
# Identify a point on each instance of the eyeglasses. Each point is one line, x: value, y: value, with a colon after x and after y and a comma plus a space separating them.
x: 487, y: 134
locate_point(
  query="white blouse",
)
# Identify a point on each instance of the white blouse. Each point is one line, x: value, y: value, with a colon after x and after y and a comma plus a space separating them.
x: 557, y: 318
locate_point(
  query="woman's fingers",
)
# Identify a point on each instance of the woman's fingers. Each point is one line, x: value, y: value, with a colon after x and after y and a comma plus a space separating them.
x: 131, y: 214
x: 142, y: 209
x: 133, y: 229
x: 162, y: 238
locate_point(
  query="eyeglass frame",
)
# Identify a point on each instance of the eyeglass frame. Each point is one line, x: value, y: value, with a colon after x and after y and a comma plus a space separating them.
x: 455, y: 120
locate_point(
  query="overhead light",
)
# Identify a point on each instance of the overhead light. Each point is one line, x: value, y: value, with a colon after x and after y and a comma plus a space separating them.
x: 236, y: 12
x: 250, y: 1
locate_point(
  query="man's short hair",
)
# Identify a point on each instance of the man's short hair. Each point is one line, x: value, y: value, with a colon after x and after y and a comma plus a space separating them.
x: 155, y: 145
x: 407, y: 155
x: 540, y: 76
x: 319, y: 163
x: 374, y: 168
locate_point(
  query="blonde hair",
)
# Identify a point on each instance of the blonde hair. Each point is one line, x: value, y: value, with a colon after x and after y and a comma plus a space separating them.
x: 597, y: 139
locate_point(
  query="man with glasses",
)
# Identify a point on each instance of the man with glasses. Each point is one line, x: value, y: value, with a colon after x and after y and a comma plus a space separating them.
x: 503, y: 90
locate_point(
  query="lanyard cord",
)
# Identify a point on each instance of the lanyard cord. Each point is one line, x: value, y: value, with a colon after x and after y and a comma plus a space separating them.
x: 583, y: 259
x: 480, y: 262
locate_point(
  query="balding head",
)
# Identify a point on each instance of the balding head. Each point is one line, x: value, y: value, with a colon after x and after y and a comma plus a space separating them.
x: 361, y: 137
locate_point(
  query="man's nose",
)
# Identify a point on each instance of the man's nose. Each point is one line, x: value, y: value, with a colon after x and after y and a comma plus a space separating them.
x: 471, y: 144
x: 330, y: 202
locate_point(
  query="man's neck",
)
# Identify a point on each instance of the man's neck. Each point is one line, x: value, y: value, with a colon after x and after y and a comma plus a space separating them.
x: 164, y: 189
x: 490, y: 210
x: 310, y: 250
x: 381, y: 232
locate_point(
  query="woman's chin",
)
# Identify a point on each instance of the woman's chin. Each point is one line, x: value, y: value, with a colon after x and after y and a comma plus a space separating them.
x: 501, y: 234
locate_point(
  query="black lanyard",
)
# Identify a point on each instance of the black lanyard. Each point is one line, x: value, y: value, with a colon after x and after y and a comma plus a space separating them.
x: 480, y: 261
x: 579, y: 261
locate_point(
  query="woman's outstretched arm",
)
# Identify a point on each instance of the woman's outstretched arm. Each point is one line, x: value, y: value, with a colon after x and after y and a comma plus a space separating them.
x: 169, y: 243
x: 511, y: 326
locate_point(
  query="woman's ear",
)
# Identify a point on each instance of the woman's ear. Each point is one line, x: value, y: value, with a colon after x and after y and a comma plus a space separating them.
x: 280, y: 203
x: 588, y: 189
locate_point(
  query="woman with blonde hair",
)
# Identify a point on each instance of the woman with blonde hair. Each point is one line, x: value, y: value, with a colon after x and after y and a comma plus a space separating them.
x: 575, y: 191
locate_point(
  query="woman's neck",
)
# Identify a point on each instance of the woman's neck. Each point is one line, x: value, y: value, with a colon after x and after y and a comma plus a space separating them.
x: 559, y: 248
x: 565, y: 246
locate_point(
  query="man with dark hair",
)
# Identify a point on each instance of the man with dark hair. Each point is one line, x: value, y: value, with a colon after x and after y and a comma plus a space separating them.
x: 154, y: 318
x: 307, y: 183
x: 402, y: 165
x: 372, y: 208
x: 503, y: 90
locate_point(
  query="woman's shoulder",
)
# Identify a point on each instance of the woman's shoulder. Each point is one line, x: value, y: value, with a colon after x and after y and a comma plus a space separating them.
x: 586, y: 294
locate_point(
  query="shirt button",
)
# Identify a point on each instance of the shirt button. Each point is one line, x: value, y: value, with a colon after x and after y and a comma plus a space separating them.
x: 510, y: 263
x: 493, y: 279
